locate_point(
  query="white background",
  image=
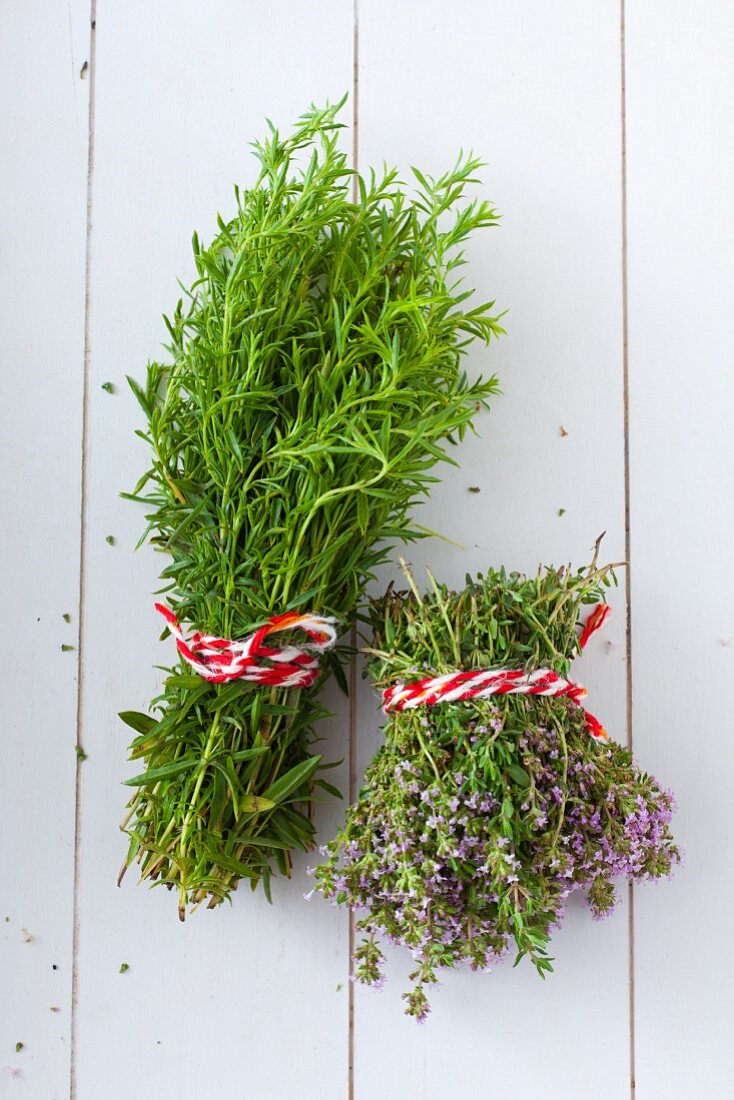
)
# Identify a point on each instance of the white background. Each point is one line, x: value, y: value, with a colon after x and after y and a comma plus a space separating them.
x: 608, y: 136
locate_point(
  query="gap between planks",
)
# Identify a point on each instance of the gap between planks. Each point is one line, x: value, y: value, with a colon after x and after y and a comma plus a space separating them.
x: 82, y: 551
x: 627, y: 527
x: 352, y: 793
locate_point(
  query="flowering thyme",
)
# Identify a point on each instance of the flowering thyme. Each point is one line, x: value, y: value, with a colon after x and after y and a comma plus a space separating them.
x: 478, y: 819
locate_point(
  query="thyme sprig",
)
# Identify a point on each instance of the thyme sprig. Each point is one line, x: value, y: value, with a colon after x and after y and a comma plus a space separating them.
x: 477, y: 819
x: 313, y: 379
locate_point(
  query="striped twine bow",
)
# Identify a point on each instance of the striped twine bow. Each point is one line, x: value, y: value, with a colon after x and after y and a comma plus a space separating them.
x: 454, y: 687
x: 219, y: 660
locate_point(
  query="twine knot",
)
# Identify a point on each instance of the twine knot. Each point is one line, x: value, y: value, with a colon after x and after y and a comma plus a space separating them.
x: 220, y: 660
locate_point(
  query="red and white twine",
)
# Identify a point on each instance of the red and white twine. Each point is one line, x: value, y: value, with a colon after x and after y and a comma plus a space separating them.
x: 219, y: 660
x: 454, y: 687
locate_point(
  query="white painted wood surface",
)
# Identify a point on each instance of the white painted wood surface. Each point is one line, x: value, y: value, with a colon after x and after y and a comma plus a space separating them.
x: 680, y: 116
x: 43, y: 122
x: 178, y: 99
x: 252, y: 1002
x: 553, y: 172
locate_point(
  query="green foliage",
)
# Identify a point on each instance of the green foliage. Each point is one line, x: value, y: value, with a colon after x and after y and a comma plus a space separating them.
x: 314, y: 377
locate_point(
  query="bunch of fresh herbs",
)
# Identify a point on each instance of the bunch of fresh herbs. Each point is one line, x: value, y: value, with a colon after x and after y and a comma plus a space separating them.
x: 477, y: 819
x: 313, y: 378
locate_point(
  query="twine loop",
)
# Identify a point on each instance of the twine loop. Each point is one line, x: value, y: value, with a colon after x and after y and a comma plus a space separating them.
x: 219, y: 660
x: 454, y: 687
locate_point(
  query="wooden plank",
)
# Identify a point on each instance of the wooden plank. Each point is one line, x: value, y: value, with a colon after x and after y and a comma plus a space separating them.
x: 535, y: 88
x: 680, y: 113
x: 239, y: 1001
x: 43, y: 198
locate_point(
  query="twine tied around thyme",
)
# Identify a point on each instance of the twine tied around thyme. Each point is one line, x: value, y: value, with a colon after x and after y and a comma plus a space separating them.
x: 219, y: 661
x: 454, y: 687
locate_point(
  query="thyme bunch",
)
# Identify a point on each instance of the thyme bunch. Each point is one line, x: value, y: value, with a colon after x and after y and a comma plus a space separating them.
x: 477, y: 819
x: 312, y: 380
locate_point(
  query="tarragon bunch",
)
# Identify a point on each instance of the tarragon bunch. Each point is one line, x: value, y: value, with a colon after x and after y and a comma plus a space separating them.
x: 477, y: 819
x: 313, y: 379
